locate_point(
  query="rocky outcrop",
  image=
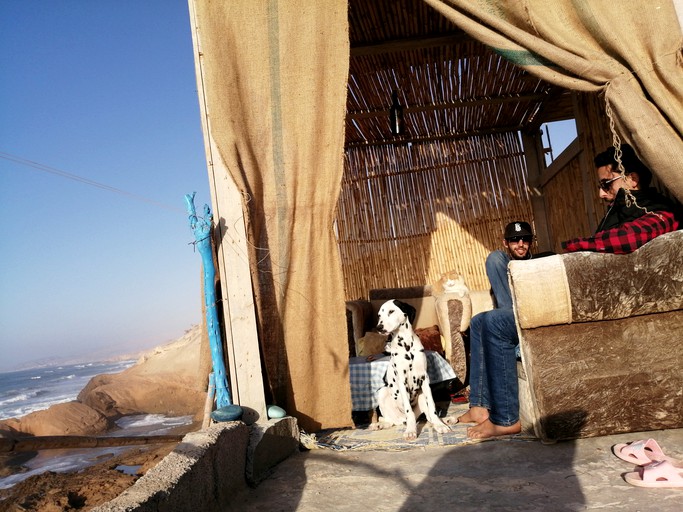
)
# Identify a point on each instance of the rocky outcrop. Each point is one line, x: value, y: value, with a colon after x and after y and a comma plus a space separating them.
x: 70, y: 418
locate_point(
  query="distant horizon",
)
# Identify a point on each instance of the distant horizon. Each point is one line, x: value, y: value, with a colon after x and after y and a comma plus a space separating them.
x: 100, y: 356
x: 39, y: 364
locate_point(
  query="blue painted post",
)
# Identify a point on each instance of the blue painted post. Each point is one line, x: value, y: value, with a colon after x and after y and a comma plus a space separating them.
x: 202, y: 234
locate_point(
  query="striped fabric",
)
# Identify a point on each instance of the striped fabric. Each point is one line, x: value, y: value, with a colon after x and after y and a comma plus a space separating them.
x: 368, y: 377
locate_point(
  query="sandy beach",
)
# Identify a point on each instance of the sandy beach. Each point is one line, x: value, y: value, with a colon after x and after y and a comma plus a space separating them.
x: 168, y: 380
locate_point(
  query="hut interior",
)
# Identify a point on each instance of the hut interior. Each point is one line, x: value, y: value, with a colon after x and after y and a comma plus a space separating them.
x: 444, y: 147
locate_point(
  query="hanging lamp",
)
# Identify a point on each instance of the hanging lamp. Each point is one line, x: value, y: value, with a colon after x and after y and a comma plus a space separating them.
x: 396, y: 115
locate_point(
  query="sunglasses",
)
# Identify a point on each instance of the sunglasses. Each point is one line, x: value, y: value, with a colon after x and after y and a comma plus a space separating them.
x: 606, y: 185
x: 517, y: 239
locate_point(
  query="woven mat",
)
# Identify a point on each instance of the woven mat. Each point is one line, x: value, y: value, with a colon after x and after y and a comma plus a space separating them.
x: 362, y: 438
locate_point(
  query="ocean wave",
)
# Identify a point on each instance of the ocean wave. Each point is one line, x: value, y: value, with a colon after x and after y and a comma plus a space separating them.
x: 141, y: 420
x: 27, y: 395
x: 20, y: 394
x: 22, y: 409
x: 150, y: 424
x: 16, y: 398
x: 138, y: 420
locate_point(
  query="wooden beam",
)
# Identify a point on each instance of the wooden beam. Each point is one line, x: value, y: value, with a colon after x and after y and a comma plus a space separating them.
x: 31, y: 444
x: 449, y: 136
x: 409, y: 44
x: 547, y: 113
x: 535, y: 164
x: 473, y: 102
x: 557, y: 165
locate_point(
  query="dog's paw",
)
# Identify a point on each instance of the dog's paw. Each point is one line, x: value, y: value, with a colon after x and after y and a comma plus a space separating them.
x: 442, y: 429
x: 375, y: 426
x: 410, y: 435
x: 450, y: 420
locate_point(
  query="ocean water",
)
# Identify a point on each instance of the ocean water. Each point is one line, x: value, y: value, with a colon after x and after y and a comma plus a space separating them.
x: 26, y: 391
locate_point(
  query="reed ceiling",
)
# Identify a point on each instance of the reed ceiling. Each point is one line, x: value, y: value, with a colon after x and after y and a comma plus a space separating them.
x: 449, y: 85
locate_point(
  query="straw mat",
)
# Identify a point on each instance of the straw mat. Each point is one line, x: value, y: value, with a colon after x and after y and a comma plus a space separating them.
x: 391, y: 439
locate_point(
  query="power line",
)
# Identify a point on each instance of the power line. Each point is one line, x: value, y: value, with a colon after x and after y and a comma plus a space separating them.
x: 86, y: 181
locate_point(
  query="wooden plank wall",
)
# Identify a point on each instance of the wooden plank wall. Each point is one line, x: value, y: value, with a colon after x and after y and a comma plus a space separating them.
x: 567, y: 206
x: 594, y: 137
x: 570, y: 185
x: 409, y: 213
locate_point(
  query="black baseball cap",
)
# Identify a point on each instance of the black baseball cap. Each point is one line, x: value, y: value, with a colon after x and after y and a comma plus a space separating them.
x: 517, y: 228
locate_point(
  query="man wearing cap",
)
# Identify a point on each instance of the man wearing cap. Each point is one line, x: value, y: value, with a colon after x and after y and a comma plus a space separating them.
x: 493, y: 345
x: 517, y: 239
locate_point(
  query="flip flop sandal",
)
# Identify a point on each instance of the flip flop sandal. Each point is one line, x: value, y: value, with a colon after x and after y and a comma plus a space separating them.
x: 640, y: 452
x: 656, y: 474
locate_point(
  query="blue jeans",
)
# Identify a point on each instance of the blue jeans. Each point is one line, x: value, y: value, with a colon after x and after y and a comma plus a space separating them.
x: 493, y: 350
x: 493, y: 365
x: 497, y: 272
x: 479, y: 386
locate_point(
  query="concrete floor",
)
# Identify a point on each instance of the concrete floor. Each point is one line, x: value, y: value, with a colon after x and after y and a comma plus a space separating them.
x: 506, y: 475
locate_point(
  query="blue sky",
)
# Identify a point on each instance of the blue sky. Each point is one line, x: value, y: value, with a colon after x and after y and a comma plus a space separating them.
x: 104, y: 91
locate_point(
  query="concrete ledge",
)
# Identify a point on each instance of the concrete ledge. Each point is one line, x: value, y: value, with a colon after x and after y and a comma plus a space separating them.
x: 270, y: 443
x: 209, y: 467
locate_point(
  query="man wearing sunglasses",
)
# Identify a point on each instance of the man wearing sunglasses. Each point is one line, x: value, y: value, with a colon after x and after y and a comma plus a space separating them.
x: 494, y: 405
x: 636, y: 214
x: 517, y: 239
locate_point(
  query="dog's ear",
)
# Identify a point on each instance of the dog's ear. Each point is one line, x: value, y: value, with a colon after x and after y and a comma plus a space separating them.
x: 409, y: 310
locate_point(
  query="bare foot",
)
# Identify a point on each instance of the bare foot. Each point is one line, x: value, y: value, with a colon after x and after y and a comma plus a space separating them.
x: 474, y: 415
x: 486, y: 429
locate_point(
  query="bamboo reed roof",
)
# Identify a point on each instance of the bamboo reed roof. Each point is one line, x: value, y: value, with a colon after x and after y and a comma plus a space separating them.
x: 449, y: 85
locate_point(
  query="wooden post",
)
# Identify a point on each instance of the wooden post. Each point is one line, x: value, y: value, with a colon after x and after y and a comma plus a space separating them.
x: 533, y: 154
x: 202, y: 233
x: 208, y: 404
x: 30, y: 444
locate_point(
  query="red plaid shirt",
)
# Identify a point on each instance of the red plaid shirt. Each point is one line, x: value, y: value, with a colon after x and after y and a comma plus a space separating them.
x: 626, y: 238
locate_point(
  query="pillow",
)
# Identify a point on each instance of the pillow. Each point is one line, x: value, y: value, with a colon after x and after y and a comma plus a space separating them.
x: 371, y: 343
x: 431, y: 338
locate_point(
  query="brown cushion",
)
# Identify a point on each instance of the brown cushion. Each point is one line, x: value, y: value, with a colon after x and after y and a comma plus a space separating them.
x: 431, y: 338
x: 371, y: 343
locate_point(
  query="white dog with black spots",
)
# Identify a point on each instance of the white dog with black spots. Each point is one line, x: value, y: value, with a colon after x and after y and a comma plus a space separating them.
x: 406, y: 393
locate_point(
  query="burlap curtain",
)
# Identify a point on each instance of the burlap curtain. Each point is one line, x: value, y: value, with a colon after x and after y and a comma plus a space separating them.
x: 630, y: 51
x: 275, y: 76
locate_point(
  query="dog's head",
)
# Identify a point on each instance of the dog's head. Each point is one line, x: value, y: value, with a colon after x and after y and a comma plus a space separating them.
x: 392, y: 314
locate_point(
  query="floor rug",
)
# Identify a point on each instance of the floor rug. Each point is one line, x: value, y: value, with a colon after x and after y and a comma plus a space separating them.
x: 362, y: 438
